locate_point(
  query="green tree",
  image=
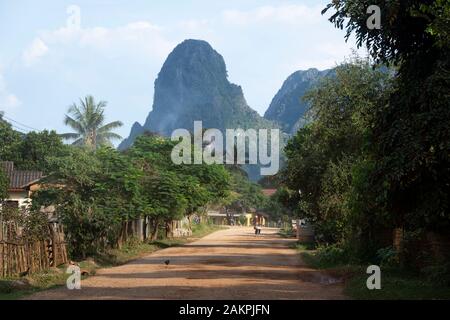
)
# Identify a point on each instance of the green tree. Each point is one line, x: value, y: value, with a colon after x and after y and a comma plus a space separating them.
x: 97, y: 193
x: 94, y: 195
x: 29, y: 151
x: 438, y: 15
x: 9, y: 141
x: 174, y: 191
x: 215, y: 179
x: 71, y: 190
x: 87, y: 119
x: 321, y: 156
x: 37, y: 147
x: 247, y: 195
x: 163, y: 193
x: 410, y: 144
x: 4, y: 184
x: 282, y: 206
x: 118, y: 192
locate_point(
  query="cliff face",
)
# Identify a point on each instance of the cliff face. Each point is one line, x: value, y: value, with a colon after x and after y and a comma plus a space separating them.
x: 136, y: 130
x: 287, y: 107
x: 192, y: 86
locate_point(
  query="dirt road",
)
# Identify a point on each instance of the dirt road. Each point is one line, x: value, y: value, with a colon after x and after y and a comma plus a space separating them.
x: 229, y: 264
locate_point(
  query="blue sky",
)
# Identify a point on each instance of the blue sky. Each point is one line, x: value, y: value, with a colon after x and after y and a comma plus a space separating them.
x: 115, y: 54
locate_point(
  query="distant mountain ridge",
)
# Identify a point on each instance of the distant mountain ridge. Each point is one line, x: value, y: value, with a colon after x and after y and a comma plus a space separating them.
x: 287, y: 107
x: 193, y: 85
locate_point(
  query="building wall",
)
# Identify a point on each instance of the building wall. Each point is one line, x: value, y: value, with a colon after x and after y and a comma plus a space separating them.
x: 221, y: 219
x: 22, y: 197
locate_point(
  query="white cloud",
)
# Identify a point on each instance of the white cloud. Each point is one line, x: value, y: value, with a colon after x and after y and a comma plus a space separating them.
x: 332, y: 53
x: 194, y: 25
x: 284, y: 14
x: 139, y: 37
x: 35, y: 50
x: 8, y: 101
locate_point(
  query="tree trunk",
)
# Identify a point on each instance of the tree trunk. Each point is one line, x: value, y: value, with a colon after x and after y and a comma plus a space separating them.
x: 126, y: 231
x: 144, y: 228
x: 154, y: 236
x: 169, y: 229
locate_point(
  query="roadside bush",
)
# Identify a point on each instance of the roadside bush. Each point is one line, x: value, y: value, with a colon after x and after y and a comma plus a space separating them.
x: 6, y: 287
x: 388, y: 257
x: 332, y: 255
x: 305, y: 246
x: 288, y: 232
x: 131, y: 244
x: 243, y: 220
x: 438, y: 274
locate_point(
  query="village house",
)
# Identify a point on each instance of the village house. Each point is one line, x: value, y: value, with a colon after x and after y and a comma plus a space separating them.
x: 21, y: 184
x: 252, y: 217
x: 245, y: 219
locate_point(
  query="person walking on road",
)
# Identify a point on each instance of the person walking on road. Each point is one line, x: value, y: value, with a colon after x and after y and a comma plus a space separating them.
x: 257, y: 229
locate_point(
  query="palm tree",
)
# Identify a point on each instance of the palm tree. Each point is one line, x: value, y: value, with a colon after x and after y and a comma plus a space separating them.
x: 87, y: 120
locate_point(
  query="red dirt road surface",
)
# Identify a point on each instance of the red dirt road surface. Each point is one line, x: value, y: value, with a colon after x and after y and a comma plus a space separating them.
x: 230, y: 264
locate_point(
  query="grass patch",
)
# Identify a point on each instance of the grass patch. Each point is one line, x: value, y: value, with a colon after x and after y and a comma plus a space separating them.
x: 396, y: 284
x: 303, y: 246
x: 16, y: 288
x: 287, y: 233
x: 202, y: 230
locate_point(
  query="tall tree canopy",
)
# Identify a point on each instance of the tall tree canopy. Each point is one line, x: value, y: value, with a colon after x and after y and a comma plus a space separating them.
x: 30, y: 151
x: 101, y: 191
x: 87, y: 119
x: 36, y: 148
x: 411, y: 135
x: 9, y: 141
x: 4, y: 184
x: 321, y: 156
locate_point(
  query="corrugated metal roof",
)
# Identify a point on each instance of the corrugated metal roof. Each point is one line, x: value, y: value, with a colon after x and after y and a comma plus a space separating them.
x: 19, y: 179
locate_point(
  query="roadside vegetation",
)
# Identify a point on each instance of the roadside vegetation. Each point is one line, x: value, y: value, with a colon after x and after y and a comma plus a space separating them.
x: 397, y: 283
x: 370, y: 169
x: 288, y: 232
x: 16, y: 288
x: 97, y: 192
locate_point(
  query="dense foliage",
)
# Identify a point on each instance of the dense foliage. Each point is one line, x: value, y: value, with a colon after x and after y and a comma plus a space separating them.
x: 9, y: 141
x: 29, y: 151
x: 96, y: 193
x: 322, y: 155
x: 36, y: 147
x: 410, y: 144
x: 247, y: 195
x: 4, y: 183
x: 174, y: 191
x: 375, y: 156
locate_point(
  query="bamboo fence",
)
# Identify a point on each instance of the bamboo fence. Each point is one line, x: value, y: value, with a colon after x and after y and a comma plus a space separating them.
x: 20, y: 256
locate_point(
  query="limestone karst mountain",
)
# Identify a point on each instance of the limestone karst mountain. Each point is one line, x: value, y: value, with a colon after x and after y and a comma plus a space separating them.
x: 193, y: 85
x: 287, y: 107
